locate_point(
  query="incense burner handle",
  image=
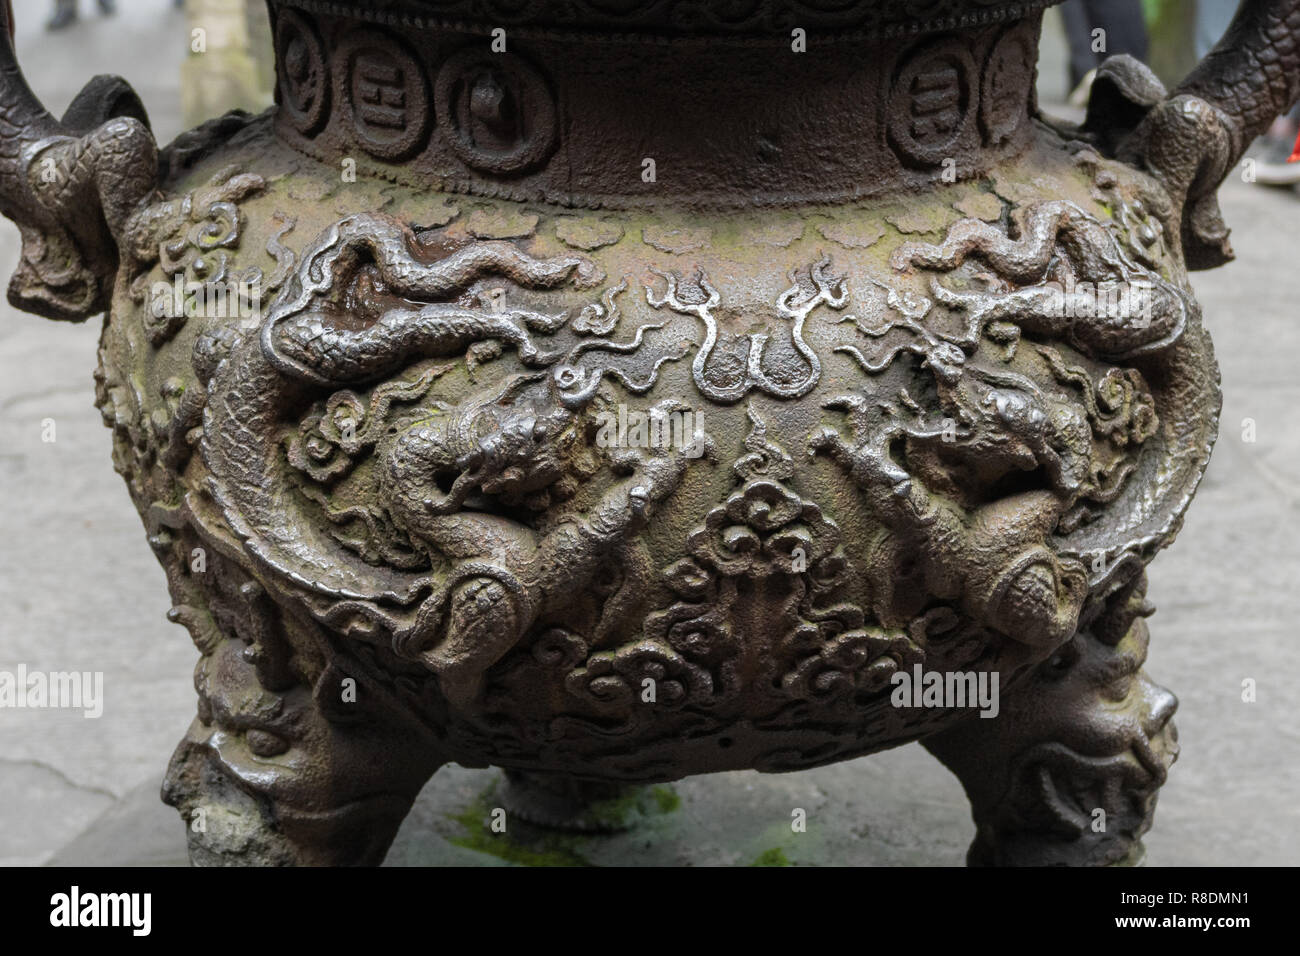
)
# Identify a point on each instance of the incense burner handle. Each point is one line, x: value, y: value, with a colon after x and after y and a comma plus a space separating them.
x: 71, y: 186
x: 1192, y: 138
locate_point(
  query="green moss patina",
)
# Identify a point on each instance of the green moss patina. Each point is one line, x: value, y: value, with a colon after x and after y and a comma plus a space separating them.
x: 523, y: 844
x: 773, y: 857
x: 636, y: 807
x: 546, y: 849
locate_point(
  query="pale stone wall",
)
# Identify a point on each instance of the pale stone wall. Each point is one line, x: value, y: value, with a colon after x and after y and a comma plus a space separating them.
x: 230, y: 60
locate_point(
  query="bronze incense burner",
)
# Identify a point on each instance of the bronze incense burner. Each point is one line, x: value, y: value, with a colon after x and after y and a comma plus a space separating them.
x: 612, y: 392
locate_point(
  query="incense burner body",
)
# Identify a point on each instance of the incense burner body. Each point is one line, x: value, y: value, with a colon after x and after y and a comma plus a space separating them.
x: 618, y: 398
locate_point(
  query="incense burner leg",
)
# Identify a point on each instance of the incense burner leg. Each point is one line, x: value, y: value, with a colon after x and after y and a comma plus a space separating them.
x: 560, y: 802
x: 1068, y: 772
x: 286, y: 776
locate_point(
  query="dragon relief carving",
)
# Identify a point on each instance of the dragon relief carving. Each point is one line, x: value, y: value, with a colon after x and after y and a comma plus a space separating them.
x: 453, y: 529
x: 1066, y: 266
x: 461, y: 585
x: 193, y: 240
x: 998, y: 461
x: 993, y: 559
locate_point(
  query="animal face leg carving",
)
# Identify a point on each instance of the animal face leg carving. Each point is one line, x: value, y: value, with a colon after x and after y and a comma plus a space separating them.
x: 1087, y: 732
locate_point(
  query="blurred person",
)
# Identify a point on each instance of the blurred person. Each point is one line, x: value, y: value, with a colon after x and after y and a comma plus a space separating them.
x: 1123, y: 31
x: 65, y: 12
x: 1274, y: 152
x: 1212, y: 19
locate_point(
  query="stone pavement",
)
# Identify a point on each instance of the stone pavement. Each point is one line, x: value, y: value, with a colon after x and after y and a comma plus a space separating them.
x: 80, y: 590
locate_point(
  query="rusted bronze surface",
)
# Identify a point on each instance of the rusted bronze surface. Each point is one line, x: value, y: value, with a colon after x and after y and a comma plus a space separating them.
x: 929, y: 386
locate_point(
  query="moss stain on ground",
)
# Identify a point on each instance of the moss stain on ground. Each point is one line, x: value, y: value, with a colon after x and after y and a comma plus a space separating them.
x: 666, y: 799
x: 547, y: 849
x: 779, y: 845
x: 637, y: 807
x: 525, y: 845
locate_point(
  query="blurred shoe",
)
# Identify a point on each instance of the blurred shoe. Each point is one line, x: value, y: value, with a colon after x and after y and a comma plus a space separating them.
x: 108, y: 7
x: 65, y: 14
x: 1272, y: 153
x: 1277, y: 174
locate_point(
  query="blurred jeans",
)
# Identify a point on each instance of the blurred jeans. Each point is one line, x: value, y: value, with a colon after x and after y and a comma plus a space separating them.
x: 1125, y: 32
